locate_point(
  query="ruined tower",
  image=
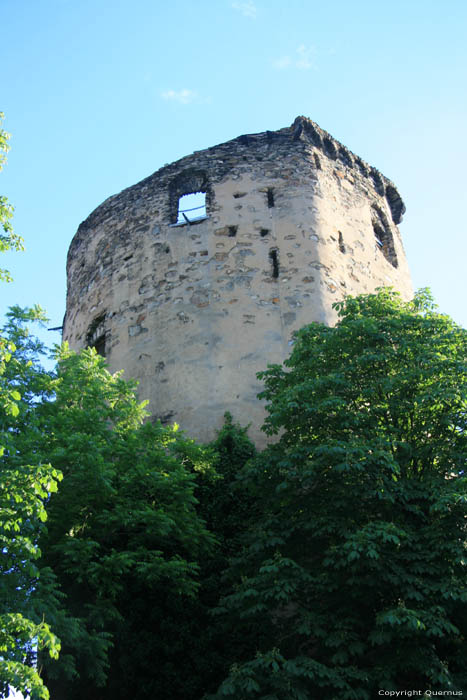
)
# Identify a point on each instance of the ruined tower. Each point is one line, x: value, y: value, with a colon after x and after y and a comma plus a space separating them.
x: 194, y: 303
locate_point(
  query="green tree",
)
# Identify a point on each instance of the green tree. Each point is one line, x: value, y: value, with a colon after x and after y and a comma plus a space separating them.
x: 123, y: 631
x: 193, y: 649
x: 122, y: 530
x: 9, y: 240
x: 24, y: 491
x: 358, y: 562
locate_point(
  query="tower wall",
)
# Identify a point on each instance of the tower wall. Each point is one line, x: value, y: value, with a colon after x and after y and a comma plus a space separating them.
x: 294, y: 222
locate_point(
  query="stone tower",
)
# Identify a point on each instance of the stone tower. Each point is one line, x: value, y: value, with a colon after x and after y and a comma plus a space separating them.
x: 194, y: 303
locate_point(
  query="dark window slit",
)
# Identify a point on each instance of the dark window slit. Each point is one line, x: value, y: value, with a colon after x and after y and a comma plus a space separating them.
x: 273, y: 255
x: 341, y: 243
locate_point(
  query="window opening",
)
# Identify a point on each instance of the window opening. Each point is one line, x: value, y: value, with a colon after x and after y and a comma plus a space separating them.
x: 232, y: 231
x: 379, y: 235
x: 383, y: 236
x: 96, y: 335
x: 396, y: 205
x: 273, y: 255
x: 341, y: 243
x: 264, y: 232
x: 270, y: 197
x: 191, y: 207
x: 99, y: 345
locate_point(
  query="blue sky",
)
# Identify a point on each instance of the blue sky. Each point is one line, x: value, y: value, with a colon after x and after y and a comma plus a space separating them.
x: 99, y: 94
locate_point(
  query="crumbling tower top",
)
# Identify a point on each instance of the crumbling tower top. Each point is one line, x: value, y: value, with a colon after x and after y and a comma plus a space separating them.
x: 194, y: 302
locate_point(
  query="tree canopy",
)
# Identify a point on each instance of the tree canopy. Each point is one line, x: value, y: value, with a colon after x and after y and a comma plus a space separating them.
x: 9, y: 240
x: 124, y: 517
x: 359, y: 559
x: 130, y: 568
x: 24, y: 489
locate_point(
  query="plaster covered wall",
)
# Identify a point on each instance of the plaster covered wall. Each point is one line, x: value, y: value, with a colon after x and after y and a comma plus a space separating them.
x: 294, y: 222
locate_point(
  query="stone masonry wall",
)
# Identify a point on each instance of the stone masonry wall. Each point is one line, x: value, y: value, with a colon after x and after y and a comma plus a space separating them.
x: 294, y: 222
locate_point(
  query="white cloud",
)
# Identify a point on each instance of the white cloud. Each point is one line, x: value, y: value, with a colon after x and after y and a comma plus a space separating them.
x: 183, y: 96
x: 303, y: 59
x: 283, y: 62
x: 248, y: 9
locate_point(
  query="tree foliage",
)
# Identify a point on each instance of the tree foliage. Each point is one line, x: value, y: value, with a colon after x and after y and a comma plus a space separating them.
x: 129, y: 573
x: 175, y: 648
x: 9, y: 240
x: 124, y: 518
x: 358, y: 561
x: 24, y: 490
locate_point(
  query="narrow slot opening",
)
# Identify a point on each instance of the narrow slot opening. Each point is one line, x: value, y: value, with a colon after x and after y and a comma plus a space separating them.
x: 341, y: 243
x: 274, y: 257
x: 264, y: 232
x: 233, y: 231
x: 270, y: 197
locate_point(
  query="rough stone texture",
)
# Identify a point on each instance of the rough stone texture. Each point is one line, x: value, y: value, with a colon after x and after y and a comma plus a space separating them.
x: 294, y: 222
